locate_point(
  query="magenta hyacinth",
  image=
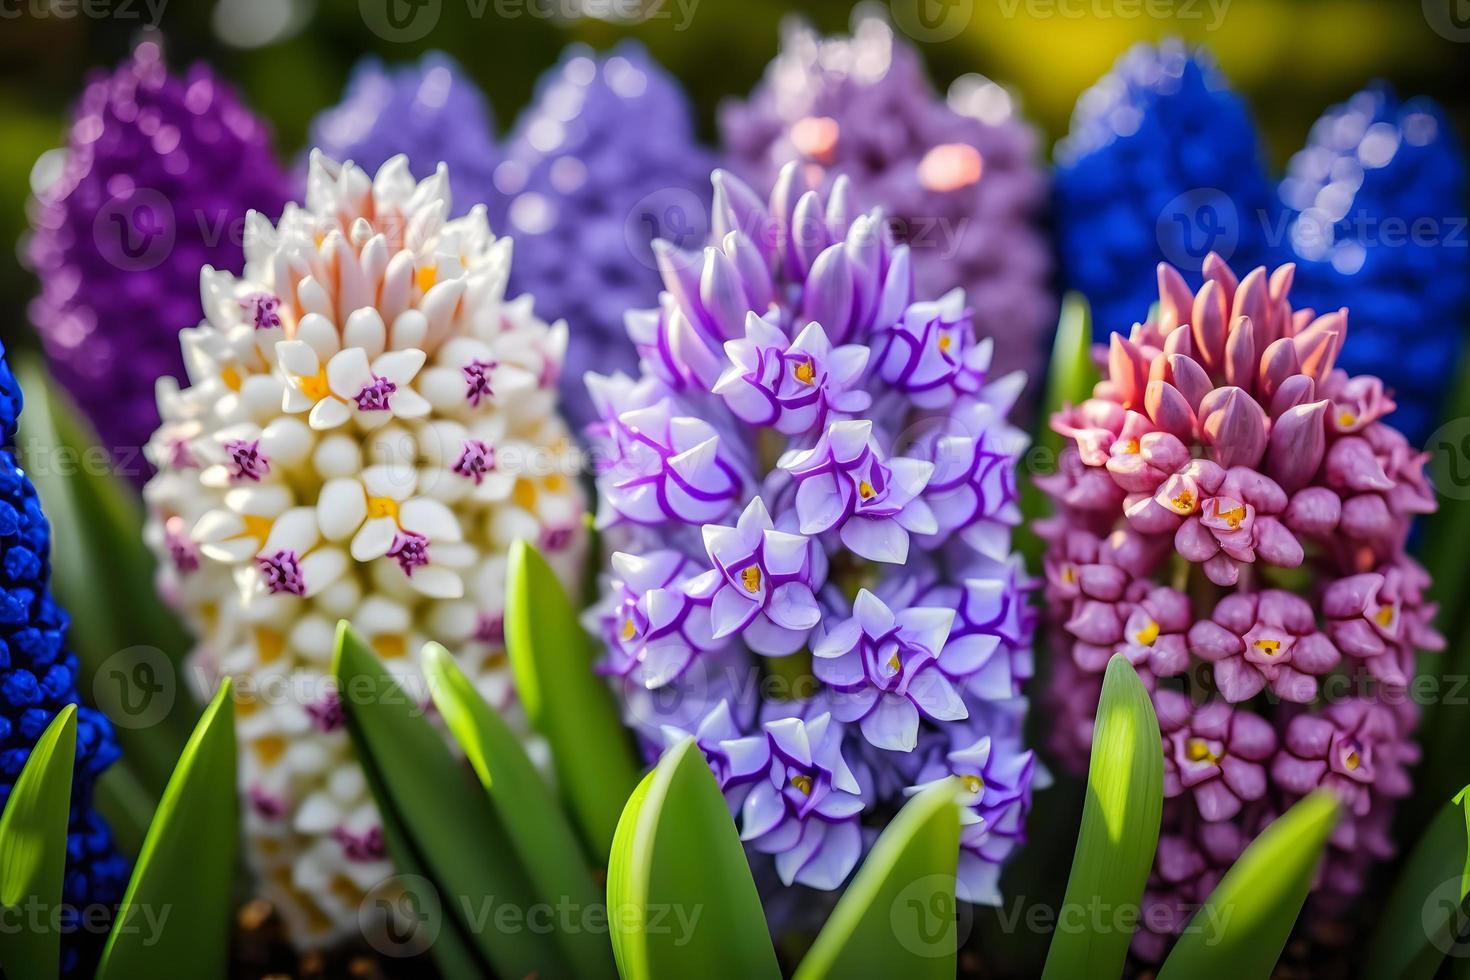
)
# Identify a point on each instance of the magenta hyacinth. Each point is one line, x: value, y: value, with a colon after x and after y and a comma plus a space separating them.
x: 158, y: 173
x: 1231, y: 515
x: 809, y: 494
x: 959, y: 179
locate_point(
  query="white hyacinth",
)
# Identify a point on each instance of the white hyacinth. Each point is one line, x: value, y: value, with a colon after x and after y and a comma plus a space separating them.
x: 368, y: 426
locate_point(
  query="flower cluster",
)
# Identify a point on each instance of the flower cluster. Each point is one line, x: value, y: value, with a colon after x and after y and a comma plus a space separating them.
x: 959, y: 180
x: 38, y: 677
x: 430, y: 111
x: 1231, y: 517
x: 370, y: 423
x: 1162, y: 162
x: 602, y: 162
x: 155, y: 181
x: 1376, y: 202
x: 809, y: 491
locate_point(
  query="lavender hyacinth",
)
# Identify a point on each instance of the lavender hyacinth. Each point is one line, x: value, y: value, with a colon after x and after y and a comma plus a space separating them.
x: 604, y: 160
x: 159, y: 173
x: 431, y: 111
x: 808, y: 491
x: 959, y: 180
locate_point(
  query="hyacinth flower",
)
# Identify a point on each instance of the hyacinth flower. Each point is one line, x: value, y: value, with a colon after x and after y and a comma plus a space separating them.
x: 1374, y: 200
x: 1162, y: 162
x: 959, y: 179
x: 429, y: 110
x: 38, y: 677
x: 366, y: 451
x: 1231, y: 515
x: 603, y: 161
x: 154, y: 184
x: 809, y: 532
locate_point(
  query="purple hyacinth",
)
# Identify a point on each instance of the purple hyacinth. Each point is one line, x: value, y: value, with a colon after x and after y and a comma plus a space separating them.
x: 761, y: 483
x: 959, y: 179
x: 157, y: 176
x: 602, y: 162
x: 429, y: 110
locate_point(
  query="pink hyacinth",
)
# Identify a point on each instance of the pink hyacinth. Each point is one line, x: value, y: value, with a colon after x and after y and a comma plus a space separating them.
x: 1231, y: 516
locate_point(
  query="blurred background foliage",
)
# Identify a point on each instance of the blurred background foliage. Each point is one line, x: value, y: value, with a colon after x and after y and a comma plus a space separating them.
x: 290, y: 58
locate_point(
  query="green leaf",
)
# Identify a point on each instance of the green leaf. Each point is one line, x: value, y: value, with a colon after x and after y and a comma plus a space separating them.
x: 897, y: 917
x: 176, y: 909
x: 1244, y: 925
x: 1070, y: 377
x: 680, y: 897
x: 1427, y: 905
x: 1120, y: 826
x: 566, y: 701
x: 444, y: 826
x: 538, y: 831
x: 33, y: 850
x: 103, y: 574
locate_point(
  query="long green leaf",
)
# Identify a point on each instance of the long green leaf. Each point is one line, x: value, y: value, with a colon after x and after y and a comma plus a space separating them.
x: 130, y: 647
x: 538, y: 831
x: 33, y: 851
x: 595, y: 765
x: 1069, y: 380
x: 1120, y: 826
x: 897, y: 917
x: 175, y: 914
x: 1427, y: 907
x: 1244, y: 925
x: 680, y: 897
x: 446, y: 830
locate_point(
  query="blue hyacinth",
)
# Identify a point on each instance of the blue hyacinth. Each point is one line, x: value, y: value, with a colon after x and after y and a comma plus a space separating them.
x: 1376, y: 204
x: 38, y: 677
x: 430, y: 110
x: 1162, y: 163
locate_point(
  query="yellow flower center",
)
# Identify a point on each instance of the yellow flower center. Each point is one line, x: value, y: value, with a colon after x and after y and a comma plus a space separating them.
x: 1183, y: 501
x: 1346, y: 419
x: 1234, y: 516
x: 945, y: 343
x: 751, y: 579
x: 1353, y: 761
x: 425, y: 277
x: 1131, y: 447
x: 256, y: 527
x: 1148, y: 634
x: 802, y: 783
x: 1197, y: 751
x: 805, y: 372
x: 382, y: 507
x: 231, y: 378
x: 628, y: 628
x: 1384, y: 616
x: 866, y: 491
x: 390, y: 646
x: 1069, y: 574
x: 315, y: 386
x: 1269, y: 648
x: 894, y: 664
x: 973, y: 783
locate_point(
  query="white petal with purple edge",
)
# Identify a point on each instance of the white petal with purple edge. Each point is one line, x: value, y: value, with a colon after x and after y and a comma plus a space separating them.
x: 893, y: 724
x: 876, y: 540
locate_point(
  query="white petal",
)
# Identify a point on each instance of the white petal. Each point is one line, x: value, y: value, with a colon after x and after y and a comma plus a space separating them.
x: 296, y: 530
x: 348, y: 372
x: 321, y: 568
x: 297, y: 358
x: 341, y: 508
x: 374, y: 539
x: 329, y: 413
x: 431, y: 519
x: 438, y: 583
x: 409, y: 404
x: 399, y: 366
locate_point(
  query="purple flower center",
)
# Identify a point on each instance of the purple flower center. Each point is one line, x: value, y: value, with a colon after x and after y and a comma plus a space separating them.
x: 367, y: 846
x: 263, y: 310
x: 490, y: 629
x: 475, y: 460
x: 411, y: 549
x: 556, y: 538
x: 327, y: 714
x: 375, y: 395
x: 282, y: 572
x: 180, y: 548
x: 477, y: 380
x: 268, y: 806
x: 247, y: 459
